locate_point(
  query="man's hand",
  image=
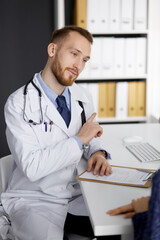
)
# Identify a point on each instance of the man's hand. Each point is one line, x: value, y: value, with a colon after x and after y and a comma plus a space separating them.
x: 90, y: 130
x: 138, y: 205
x: 100, y: 164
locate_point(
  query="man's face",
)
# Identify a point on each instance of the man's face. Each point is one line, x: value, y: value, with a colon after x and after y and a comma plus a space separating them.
x: 70, y: 58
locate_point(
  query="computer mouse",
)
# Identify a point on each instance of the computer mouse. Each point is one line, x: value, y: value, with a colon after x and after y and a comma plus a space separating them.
x: 132, y: 139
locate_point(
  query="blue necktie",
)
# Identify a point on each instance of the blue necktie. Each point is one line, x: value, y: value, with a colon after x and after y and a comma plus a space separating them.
x: 63, y: 109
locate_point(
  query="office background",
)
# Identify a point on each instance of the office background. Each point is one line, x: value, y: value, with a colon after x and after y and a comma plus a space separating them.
x: 26, y: 28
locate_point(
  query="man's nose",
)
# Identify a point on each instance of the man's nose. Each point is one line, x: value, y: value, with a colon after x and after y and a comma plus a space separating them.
x: 78, y: 64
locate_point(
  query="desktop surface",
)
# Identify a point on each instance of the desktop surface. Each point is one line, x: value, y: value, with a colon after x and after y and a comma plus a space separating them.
x: 101, y: 197
x: 112, y: 139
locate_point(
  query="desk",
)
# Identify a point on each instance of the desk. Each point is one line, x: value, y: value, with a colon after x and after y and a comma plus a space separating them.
x: 102, y: 197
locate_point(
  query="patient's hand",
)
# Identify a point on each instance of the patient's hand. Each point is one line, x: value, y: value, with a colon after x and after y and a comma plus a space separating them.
x: 138, y: 205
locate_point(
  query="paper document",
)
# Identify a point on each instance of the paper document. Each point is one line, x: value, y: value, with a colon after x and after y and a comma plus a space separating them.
x: 120, y: 175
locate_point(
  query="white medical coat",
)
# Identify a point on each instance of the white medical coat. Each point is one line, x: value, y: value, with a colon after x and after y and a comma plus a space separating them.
x: 45, y: 162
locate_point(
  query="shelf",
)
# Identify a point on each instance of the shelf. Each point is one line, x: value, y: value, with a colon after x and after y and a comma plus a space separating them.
x: 128, y: 119
x: 119, y: 39
x: 133, y: 32
x: 114, y: 78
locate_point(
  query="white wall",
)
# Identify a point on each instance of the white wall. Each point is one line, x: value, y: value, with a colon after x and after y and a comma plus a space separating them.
x: 153, y: 86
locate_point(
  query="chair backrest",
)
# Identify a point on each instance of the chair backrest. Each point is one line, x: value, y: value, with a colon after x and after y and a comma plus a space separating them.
x: 6, y: 166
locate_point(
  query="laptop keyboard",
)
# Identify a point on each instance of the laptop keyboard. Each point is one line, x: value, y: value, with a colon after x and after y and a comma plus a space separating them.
x: 144, y: 152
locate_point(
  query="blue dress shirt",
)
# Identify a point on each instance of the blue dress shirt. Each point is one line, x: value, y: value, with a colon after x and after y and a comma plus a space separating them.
x: 52, y: 97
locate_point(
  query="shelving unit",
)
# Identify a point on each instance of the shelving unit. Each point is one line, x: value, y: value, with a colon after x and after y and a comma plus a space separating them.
x: 146, y: 77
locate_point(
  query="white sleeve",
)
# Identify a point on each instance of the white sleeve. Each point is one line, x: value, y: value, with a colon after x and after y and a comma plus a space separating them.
x: 34, y: 161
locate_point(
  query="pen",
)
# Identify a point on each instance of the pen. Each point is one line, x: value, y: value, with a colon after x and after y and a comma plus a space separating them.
x: 150, y: 175
x: 51, y: 123
x: 45, y: 123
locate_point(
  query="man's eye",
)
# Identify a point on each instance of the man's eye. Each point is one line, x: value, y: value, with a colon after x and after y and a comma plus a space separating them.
x: 85, y: 60
x: 74, y: 54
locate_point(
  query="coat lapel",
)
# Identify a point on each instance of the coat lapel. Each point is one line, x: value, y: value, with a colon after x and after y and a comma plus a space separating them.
x: 76, y: 110
x: 53, y: 115
x: 50, y: 113
x: 76, y: 121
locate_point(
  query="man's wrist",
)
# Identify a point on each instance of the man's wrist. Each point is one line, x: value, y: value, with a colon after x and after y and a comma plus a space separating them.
x: 78, y: 141
x: 80, y: 144
x: 105, y: 153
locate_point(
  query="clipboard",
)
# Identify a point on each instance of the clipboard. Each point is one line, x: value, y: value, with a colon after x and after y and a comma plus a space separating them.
x: 147, y: 184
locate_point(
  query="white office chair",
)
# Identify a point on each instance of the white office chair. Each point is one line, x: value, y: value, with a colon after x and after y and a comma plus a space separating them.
x: 6, y: 166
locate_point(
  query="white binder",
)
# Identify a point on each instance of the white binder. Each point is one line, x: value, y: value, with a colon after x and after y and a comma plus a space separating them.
x: 126, y: 19
x: 103, y: 16
x: 93, y: 89
x: 121, y: 100
x: 118, y: 69
x: 84, y: 85
x: 85, y: 73
x: 95, y: 60
x: 92, y: 15
x: 140, y: 63
x: 129, y: 56
x: 107, y: 50
x: 140, y: 15
x: 114, y: 15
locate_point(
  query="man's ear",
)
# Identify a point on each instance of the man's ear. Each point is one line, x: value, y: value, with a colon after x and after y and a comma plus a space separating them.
x: 51, y: 49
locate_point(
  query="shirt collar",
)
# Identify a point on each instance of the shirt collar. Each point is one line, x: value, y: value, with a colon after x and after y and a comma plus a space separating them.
x: 51, y: 94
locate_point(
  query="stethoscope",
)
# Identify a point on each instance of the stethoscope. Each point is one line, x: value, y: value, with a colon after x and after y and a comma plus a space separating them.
x: 30, y: 121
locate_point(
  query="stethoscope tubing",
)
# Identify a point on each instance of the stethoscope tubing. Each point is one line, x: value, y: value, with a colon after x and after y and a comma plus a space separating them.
x: 30, y: 121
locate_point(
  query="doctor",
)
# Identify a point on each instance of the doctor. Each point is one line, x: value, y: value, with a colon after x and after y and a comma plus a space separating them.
x: 47, y: 140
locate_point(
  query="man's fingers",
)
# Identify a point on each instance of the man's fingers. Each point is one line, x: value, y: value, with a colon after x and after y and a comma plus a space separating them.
x: 97, y: 167
x: 100, y: 164
x: 105, y: 169
x: 90, y: 164
x: 99, y: 133
x: 108, y: 170
x: 120, y: 210
x: 91, y: 118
